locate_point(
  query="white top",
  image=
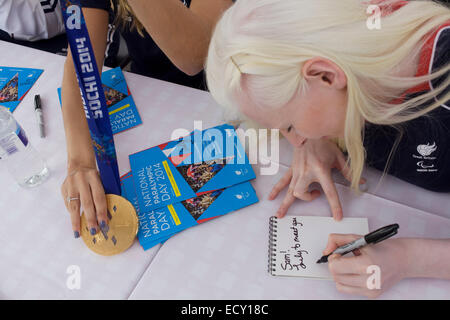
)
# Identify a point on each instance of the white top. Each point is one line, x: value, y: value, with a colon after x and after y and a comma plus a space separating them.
x: 31, y: 20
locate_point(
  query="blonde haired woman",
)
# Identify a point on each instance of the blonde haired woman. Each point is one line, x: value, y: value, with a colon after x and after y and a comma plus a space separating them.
x: 319, y: 71
x: 166, y: 39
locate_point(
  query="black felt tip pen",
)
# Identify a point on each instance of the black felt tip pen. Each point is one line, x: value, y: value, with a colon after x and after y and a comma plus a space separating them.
x: 373, y: 237
x: 39, y: 116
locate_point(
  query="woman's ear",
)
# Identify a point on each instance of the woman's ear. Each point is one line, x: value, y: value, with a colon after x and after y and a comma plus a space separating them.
x: 325, y: 72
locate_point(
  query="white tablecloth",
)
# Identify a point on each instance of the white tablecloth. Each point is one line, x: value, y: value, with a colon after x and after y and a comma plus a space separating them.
x: 224, y: 258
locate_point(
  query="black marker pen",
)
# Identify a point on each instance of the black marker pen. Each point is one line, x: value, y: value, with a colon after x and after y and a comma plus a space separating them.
x: 373, y: 237
x: 39, y: 117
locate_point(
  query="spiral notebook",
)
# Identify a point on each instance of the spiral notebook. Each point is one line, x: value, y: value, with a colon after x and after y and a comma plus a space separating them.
x: 297, y: 242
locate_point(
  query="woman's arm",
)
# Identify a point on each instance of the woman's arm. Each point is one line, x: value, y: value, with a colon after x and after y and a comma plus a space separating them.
x: 183, y: 34
x: 82, y: 178
x: 395, y: 260
x: 428, y: 258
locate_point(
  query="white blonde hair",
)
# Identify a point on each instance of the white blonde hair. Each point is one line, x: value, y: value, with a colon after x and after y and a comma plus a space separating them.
x: 268, y: 41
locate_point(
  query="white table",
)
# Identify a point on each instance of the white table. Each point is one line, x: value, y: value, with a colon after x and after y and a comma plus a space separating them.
x: 224, y: 258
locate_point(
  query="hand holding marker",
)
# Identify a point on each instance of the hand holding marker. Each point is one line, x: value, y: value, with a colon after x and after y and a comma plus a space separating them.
x: 373, y: 237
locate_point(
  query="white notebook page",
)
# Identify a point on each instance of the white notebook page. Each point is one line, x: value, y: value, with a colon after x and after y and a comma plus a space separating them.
x: 298, y: 242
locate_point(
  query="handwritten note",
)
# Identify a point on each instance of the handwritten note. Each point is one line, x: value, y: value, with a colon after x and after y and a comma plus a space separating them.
x: 293, y: 258
x: 300, y: 240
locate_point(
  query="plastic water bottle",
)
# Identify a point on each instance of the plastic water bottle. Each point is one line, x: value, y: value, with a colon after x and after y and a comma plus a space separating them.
x: 16, y: 152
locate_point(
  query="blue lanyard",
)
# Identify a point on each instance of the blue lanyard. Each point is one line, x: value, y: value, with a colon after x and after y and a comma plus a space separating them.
x: 92, y: 95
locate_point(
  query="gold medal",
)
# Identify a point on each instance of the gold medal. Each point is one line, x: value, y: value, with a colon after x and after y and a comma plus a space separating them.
x: 120, y: 232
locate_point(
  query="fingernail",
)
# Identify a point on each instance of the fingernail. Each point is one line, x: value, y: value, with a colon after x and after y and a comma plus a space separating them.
x: 76, y: 234
x: 104, y: 227
x: 93, y: 231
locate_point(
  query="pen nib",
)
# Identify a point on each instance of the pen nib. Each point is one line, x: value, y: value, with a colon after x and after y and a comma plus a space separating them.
x: 323, y: 259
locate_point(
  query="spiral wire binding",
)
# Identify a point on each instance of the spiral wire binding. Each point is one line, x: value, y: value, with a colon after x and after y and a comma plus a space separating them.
x: 272, y: 256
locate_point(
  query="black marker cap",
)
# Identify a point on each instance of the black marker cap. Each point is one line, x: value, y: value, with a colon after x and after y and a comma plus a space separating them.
x: 37, y: 102
x: 382, y: 233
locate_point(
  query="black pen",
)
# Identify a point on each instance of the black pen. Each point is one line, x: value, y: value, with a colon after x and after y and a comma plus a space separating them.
x: 373, y: 237
x: 39, y: 117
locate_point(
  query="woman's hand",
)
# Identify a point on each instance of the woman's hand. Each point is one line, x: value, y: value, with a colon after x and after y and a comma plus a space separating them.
x: 83, y: 188
x: 312, y: 162
x: 359, y: 274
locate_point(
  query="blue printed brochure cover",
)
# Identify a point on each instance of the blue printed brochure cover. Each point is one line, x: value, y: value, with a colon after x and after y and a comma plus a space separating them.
x: 15, y: 84
x: 204, y: 161
x: 129, y: 193
x: 123, y: 113
x: 158, y: 225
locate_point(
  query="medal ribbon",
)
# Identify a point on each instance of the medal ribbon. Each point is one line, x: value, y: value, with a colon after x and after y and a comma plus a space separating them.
x: 92, y: 95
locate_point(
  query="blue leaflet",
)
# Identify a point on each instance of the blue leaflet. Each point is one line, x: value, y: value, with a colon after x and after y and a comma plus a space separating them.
x: 156, y: 226
x: 93, y: 98
x: 15, y: 84
x: 129, y: 193
x: 204, y: 161
x: 122, y: 110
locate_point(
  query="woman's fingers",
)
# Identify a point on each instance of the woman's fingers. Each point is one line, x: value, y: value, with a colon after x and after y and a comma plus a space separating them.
x: 73, y: 206
x: 341, y: 164
x: 83, y: 189
x: 300, y: 191
x: 74, y: 210
x: 351, y: 280
x: 99, y: 198
x: 88, y: 206
x: 350, y: 289
x: 308, y: 195
x: 287, y: 202
x: 331, y: 193
x: 336, y: 240
x: 340, y: 265
x: 350, y: 275
x: 72, y: 203
x: 283, y: 183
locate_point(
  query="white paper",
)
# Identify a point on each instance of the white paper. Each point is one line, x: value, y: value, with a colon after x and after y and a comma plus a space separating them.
x: 300, y: 240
